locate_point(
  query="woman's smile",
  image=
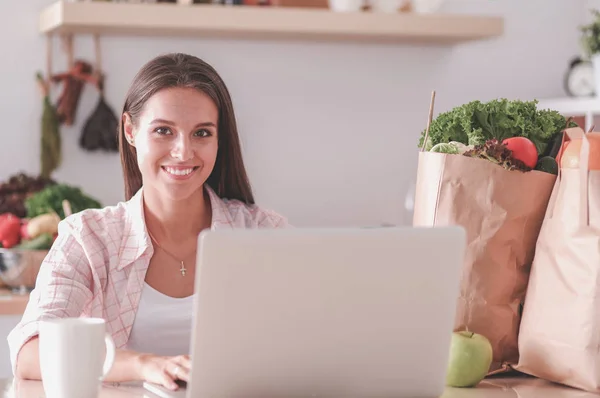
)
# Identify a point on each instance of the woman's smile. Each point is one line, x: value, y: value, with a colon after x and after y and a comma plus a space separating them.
x: 179, y: 172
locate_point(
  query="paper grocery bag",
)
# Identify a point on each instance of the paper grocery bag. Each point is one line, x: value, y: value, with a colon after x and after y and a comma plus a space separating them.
x: 560, y: 329
x: 502, y: 212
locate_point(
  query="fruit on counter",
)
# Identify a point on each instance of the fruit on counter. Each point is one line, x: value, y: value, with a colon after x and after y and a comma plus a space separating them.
x: 10, y: 230
x: 41, y: 242
x: 476, y: 122
x: 470, y: 359
x: 522, y: 149
x: 547, y: 164
x: 16, y: 189
x: 50, y: 200
x: 45, y: 223
x: 569, y: 159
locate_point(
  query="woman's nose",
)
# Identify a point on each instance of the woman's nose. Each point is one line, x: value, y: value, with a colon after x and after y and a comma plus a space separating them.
x: 182, y: 148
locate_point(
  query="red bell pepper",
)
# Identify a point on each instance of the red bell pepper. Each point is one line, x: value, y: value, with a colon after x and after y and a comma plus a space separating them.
x: 10, y: 230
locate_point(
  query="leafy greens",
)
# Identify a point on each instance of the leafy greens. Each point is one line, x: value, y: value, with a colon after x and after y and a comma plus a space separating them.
x: 50, y: 200
x: 497, y: 153
x: 476, y: 122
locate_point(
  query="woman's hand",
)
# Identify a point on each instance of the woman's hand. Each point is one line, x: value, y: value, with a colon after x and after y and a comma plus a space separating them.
x: 128, y: 366
x: 164, y: 370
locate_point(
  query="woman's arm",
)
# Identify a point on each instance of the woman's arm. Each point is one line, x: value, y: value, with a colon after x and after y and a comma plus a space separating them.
x: 128, y: 366
x: 28, y: 360
x: 63, y: 288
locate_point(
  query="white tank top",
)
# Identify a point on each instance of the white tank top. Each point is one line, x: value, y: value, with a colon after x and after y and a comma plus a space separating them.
x: 162, y: 324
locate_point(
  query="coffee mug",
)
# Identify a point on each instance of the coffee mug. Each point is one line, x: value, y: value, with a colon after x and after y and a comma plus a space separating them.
x: 75, y: 356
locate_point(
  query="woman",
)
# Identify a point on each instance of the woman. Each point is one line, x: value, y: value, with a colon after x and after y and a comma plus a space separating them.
x: 133, y: 264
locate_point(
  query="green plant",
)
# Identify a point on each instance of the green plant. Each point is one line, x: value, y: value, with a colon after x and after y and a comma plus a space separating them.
x: 590, y: 40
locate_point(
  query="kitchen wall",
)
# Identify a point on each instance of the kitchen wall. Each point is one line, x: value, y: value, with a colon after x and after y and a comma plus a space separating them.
x: 588, y: 6
x: 329, y: 130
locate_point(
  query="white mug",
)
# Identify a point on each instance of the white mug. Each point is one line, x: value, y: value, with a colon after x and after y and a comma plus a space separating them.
x: 75, y: 356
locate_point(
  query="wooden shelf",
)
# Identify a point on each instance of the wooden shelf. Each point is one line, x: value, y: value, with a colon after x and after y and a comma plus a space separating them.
x: 207, y: 20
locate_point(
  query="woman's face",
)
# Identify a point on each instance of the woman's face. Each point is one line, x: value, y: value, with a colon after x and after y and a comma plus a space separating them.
x: 176, y: 141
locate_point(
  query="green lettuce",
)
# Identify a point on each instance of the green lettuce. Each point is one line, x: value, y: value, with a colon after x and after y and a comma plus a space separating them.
x: 476, y: 122
x: 50, y: 200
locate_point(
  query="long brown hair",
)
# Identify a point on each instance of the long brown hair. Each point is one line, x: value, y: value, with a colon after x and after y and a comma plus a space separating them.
x: 228, y: 178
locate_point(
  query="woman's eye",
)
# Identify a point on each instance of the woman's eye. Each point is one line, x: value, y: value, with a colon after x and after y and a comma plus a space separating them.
x: 203, y: 133
x: 161, y: 130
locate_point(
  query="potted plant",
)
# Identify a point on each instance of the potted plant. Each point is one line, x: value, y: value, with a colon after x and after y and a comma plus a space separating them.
x: 590, y: 42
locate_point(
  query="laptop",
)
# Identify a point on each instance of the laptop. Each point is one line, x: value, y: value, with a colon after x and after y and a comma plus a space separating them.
x: 350, y: 312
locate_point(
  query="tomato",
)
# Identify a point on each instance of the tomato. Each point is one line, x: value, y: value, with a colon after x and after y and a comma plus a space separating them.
x: 10, y: 230
x: 523, y: 149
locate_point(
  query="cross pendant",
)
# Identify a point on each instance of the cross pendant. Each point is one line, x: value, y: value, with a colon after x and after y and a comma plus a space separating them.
x: 182, y: 269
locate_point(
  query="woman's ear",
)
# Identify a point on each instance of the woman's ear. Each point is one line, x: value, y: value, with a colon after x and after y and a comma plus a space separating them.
x: 128, y: 128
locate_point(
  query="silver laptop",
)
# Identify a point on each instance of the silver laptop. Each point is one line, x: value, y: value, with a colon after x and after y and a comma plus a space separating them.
x: 353, y: 312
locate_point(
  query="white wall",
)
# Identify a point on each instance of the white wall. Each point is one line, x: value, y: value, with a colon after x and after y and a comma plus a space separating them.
x: 588, y: 6
x: 329, y: 131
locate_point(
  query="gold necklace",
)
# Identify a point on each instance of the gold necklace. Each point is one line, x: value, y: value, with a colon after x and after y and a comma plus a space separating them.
x: 183, y: 270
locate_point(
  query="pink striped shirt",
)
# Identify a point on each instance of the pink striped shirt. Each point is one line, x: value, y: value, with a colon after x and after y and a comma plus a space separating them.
x: 97, y: 266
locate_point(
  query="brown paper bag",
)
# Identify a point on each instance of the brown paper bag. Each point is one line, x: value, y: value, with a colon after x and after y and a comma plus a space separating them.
x: 502, y: 212
x: 560, y: 330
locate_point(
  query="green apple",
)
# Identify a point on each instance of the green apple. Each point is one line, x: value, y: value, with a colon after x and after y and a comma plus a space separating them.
x: 470, y: 359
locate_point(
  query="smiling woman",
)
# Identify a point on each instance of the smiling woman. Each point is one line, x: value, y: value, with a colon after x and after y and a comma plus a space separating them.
x: 175, y: 140
x: 133, y: 264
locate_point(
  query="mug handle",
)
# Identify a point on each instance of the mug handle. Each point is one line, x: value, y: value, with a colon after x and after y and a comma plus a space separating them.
x: 110, y: 355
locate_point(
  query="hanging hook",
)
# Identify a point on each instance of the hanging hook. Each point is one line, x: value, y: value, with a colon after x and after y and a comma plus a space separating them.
x: 99, y: 76
x: 67, y: 46
x: 49, y: 48
x: 44, y: 81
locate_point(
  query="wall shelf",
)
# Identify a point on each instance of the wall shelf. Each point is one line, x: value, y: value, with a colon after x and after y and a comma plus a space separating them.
x: 207, y: 20
x: 571, y: 106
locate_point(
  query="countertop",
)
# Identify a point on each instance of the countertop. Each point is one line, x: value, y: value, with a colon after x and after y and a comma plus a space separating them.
x: 495, y: 387
x: 12, y: 303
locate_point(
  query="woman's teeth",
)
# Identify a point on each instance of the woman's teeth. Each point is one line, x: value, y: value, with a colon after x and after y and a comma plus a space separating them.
x: 178, y: 172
